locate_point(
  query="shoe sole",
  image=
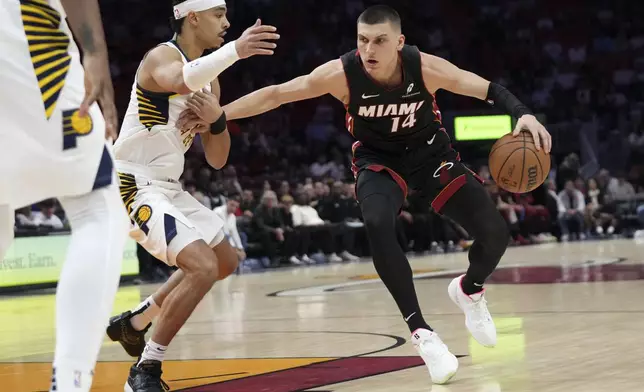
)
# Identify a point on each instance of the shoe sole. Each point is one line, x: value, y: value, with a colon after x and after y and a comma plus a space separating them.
x: 441, y: 382
x: 127, y: 388
x: 453, y: 295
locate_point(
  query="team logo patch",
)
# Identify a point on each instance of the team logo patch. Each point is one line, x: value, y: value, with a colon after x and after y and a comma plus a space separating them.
x: 143, y: 214
x: 81, y: 125
x: 75, y: 126
x: 442, y: 173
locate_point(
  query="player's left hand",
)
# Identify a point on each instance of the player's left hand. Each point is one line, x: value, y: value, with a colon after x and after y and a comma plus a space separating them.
x: 539, y: 133
x: 204, y: 104
x: 189, y: 122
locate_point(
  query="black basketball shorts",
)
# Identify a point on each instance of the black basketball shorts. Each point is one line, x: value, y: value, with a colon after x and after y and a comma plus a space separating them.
x: 437, y: 173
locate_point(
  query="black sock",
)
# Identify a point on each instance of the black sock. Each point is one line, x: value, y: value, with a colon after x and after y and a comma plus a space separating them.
x: 416, y: 321
x: 470, y: 286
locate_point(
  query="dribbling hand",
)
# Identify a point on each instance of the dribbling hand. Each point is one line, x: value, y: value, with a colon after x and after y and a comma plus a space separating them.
x: 539, y: 133
x: 254, y: 41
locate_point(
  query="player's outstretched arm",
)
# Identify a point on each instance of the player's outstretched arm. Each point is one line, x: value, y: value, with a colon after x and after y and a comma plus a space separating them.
x: 325, y: 79
x: 172, y: 75
x: 84, y: 19
x: 439, y: 73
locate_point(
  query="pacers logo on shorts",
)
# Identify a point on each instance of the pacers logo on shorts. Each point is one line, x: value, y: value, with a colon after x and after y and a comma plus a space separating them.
x: 142, y: 217
x: 74, y: 126
x: 47, y: 48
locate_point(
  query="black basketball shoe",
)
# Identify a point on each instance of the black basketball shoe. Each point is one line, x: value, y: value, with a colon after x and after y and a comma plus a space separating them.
x: 121, y: 330
x: 146, y: 377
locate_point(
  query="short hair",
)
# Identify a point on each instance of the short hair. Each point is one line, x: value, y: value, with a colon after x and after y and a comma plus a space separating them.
x: 380, y: 14
x: 176, y: 24
x: 234, y: 196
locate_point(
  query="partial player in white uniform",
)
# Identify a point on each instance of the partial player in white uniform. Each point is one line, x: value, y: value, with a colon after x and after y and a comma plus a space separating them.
x: 174, y: 78
x: 52, y: 144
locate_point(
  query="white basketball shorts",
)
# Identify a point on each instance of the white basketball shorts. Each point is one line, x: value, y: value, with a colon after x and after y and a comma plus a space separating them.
x: 165, y: 218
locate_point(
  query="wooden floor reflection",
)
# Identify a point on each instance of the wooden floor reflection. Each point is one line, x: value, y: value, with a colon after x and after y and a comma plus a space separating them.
x: 569, y: 318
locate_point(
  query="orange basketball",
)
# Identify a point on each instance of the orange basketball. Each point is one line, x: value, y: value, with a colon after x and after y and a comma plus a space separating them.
x: 516, y: 165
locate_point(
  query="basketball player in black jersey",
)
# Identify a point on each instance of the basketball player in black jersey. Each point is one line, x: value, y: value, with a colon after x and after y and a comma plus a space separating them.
x: 388, y: 89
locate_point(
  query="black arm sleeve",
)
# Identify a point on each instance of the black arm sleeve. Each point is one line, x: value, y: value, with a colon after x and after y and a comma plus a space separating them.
x: 499, y: 96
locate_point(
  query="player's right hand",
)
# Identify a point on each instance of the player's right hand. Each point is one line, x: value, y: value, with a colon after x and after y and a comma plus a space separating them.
x: 255, y: 40
x: 98, y: 88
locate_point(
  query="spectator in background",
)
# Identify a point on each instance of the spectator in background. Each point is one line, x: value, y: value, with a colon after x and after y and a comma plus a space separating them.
x: 25, y: 218
x: 307, y: 220
x: 336, y: 209
x: 284, y: 189
x: 298, y: 241
x: 46, y: 216
x: 268, y: 227
x: 621, y: 189
x: 248, y: 203
x: 227, y: 213
x: 598, y: 214
x: 574, y: 205
x: 511, y: 212
x: 568, y: 170
x: 216, y: 195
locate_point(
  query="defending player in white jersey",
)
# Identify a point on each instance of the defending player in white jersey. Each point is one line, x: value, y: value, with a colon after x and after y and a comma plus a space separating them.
x: 52, y: 144
x: 167, y: 221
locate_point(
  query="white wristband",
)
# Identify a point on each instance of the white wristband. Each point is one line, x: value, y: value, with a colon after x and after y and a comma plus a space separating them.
x: 199, y: 73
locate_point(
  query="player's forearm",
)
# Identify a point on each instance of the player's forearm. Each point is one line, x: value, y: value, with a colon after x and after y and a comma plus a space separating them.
x: 499, y: 96
x: 85, y: 22
x: 199, y: 73
x: 253, y: 104
x: 216, y: 148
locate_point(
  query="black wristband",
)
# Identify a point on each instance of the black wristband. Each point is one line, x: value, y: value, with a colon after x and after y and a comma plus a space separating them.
x: 498, y: 95
x: 218, y: 126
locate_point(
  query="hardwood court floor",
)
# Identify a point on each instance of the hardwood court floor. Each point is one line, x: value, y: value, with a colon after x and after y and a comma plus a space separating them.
x: 569, y: 316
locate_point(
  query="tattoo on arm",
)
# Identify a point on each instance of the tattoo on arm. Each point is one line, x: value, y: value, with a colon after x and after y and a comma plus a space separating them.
x: 86, y: 38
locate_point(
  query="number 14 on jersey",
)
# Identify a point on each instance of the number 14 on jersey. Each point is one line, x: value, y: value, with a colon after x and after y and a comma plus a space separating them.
x: 409, y: 122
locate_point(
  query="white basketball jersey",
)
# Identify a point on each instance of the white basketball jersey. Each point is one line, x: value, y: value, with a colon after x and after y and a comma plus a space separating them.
x: 46, y: 148
x: 149, y: 143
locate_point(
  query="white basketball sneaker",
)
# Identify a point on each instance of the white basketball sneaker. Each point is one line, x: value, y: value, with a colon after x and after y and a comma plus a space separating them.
x: 477, y: 318
x: 441, y: 363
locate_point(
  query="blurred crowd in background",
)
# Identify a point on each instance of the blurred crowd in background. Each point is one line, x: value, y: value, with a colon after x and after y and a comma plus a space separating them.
x: 288, y: 183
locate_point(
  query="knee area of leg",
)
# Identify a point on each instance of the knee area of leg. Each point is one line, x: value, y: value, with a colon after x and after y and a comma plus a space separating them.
x: 208, y: 268
x: 377, y: 211
x: 227, y: 265
x: 202, y: 265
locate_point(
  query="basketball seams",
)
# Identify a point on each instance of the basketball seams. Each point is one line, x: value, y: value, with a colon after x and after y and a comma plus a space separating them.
x: 506, y: 161
x: 523, y: 164
x: 543, y: 173
x: 504, y: 144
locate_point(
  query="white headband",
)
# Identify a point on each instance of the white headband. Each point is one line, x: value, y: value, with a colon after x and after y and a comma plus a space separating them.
x: 181, y: 10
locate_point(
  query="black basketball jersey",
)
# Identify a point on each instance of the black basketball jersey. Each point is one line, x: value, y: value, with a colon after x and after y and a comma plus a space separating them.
x: 390, y: 119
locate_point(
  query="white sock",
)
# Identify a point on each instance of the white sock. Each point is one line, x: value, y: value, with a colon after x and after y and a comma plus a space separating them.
x: 65, y: 378
x: 146, y: 312
x: 153, y: 351
x: 88, y: 283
